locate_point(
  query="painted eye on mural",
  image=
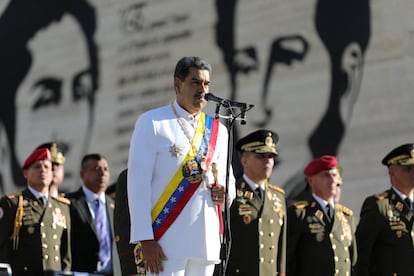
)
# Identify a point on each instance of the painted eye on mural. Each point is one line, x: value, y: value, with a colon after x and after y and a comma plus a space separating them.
x: 49, y: 90
x: 82, y: 85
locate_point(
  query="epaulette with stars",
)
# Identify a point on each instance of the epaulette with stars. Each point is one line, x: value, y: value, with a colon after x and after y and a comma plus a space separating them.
x: 381, y: 196
x: 13, y: 195
x: 344, y: 210
x: 62, y: 200
x: 300, y: 204
x: 277, y: 189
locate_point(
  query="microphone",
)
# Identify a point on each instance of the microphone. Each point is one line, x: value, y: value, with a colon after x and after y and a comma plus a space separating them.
x: 210, y: 97
x: 225, y: 102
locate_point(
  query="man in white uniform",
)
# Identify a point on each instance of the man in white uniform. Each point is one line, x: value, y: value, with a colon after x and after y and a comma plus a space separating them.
x: 174, y: 199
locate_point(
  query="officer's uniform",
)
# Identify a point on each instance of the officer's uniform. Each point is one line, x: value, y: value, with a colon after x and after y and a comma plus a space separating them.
x: 42, y: 241
x: 317, y: 246
x: 321, y: 241
x: 385, y: 231
x: 122, y: 228
x: 258, y: 225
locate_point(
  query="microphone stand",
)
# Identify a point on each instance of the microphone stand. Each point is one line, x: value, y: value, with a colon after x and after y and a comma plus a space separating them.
x: 231, y: 118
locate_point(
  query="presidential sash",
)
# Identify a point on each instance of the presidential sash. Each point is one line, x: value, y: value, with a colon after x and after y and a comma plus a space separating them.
x: 185, y: 181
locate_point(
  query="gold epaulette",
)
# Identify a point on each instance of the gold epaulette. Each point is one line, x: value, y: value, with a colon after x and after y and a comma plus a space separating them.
x: 277, y: 189
x: 381, y: 196
x: 300, y: 204
x: 62, y: 199
x: 345, y: 210
x: 13, y: 195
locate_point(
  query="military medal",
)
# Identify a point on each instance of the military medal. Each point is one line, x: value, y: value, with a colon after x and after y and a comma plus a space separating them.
x: 175, y: 151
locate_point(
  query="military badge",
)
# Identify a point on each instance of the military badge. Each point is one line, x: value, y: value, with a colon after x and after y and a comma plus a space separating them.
x: 346, y: 229
x: 247, y: 219
x: 244, y: 209
x: 399, y: 206
x: 175, y: 151
x: 192, y: 171
x: 59, y: 219
x: 319, y: 214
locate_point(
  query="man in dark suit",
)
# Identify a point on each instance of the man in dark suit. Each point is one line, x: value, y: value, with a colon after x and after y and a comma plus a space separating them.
x: 321, y: 231
x: 258, y: 214
x: 34, y: 226
x: 385, y: 230
x: 92, y: 242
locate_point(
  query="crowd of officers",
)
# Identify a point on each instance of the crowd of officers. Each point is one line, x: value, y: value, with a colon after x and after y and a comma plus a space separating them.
x: 43, y: 232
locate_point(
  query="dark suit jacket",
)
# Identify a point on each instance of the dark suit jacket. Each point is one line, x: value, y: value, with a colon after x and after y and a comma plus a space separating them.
x: 258, y: 231
x: 43, y: 243
x: 385, y: 236
x: 84, y: 239
x: 316, y: 246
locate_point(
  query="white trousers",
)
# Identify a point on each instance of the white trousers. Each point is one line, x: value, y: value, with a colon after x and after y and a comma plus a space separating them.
x: 186, y: 267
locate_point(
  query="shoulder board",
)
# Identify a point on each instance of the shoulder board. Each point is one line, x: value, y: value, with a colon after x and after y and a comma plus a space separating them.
x: 13, y: 195
x: 300, y: 204
x: 62, y: 199
x: 277, y: 189
x: 381, y: 196
x: 345, y: 210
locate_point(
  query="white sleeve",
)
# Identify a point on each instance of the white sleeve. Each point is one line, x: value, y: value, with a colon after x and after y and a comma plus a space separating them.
x: 141, y: 163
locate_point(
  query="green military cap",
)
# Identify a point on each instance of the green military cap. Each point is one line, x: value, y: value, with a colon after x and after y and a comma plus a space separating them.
x: 260, y: 141
x: 402, y: 155
x: 57, y: 152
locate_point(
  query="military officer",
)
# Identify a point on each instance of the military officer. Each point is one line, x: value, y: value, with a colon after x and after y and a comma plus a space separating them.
x: 320, y: 231
x: 258, y: 215
x: 122, y: 228
x: 57, y: 153
x: 35, y: 227
x: 385, y: 230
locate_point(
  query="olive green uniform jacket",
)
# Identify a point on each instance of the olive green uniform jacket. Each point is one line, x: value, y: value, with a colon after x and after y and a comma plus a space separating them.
x: 43, y: 240
x: 122, y: 227
x: 317, y: 246
x: 385, y: 236
x: 258, y: 232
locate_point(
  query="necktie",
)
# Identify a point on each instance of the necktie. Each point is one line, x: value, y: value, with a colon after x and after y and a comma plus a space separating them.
x: 258, y: 191
x: 408, y: 202
x: 101, y: 222
x: 329, y: 211
x: 42, y: 200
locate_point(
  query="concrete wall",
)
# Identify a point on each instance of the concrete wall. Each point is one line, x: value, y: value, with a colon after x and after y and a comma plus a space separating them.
x: 139, y: 43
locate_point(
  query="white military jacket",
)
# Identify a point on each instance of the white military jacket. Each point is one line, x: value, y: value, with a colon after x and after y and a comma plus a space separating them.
x: 152, y: 164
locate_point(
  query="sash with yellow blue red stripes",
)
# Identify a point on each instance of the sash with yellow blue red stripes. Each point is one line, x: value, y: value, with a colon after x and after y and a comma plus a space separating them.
x: 185, y: 181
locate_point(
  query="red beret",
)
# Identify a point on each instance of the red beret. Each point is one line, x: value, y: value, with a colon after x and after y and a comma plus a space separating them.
x: 319, y: 164
x: 38, y: 154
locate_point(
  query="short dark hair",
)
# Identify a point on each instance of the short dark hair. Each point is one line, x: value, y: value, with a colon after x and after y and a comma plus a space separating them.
x: 183, y: 66
x: 91, y: 156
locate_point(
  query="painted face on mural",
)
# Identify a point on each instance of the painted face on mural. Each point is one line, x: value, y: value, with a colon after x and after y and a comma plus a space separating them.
x: 53, y: 97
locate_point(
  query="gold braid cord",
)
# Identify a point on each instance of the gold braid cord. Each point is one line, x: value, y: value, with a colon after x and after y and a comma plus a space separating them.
x: 17, y: 223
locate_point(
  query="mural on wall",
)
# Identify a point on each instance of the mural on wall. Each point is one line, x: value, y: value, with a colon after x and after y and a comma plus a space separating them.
x: 243, y: 61
x: 43, y: 99
x: 344, y: 29
x: 274, y: 55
